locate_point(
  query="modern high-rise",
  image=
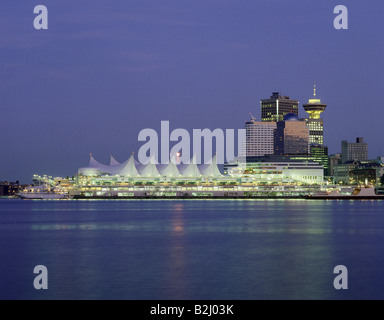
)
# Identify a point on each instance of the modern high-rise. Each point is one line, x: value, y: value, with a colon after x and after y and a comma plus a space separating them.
x: 314, y: 108
x: 351, y: 151
x: 319, y: 154
x: 259, y: 138
x: 291, y: 136
x: 277, y: 106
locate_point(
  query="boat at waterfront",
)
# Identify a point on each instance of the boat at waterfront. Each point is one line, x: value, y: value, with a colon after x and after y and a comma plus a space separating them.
x: 361, y: 192
x: 44, y: 192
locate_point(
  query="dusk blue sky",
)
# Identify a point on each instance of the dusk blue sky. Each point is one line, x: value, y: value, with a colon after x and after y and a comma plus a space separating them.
x: 104, y: 70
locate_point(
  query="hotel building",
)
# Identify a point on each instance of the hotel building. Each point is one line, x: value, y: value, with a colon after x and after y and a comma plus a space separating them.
x: 259, y: 138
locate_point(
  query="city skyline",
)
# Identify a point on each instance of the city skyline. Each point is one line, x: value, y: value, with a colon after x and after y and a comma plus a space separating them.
x: 101, y: 74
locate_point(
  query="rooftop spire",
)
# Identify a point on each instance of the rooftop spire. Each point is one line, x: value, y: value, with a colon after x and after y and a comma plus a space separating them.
x: 314, y: 90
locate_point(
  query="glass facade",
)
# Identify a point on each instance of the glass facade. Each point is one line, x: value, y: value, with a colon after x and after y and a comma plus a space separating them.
x: 291, y: 137
x: 320, y: 154
x: 275, y: 108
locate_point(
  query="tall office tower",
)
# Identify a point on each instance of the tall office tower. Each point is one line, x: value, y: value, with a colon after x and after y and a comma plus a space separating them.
x: 291, y: 136
x: 277, y: 106
x: 320, y: 154
x: 259, y: 137
x: 354, y: 150
x: 314, y: 108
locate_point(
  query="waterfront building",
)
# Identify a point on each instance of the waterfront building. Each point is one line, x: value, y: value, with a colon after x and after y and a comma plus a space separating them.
x: 354, y: 150
x: 259, y: 138
x: 9, y: 188
x: 269, y: 172
x: 132, y: 170
x: 367, y: 173
x: 319, y: 154
x: 314, y: 108
x: 334, y: 160
x: 4, y: 189
x: 359, y: 172
x: 241, y: 179
x: 282, y: 158
x: 277, y: 106
x: 291, y: 136
x: 342, y: 172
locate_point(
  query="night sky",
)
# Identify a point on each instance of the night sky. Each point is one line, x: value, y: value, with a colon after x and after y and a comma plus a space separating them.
x: 104, y: 70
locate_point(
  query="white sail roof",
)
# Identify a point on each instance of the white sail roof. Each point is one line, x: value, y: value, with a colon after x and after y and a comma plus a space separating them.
x: 192, y: 170
x: 212, y: 170
x: 89, y: 171
x: 113, y: 161
x: 171, y: 171
x: 150, y: 170
x: 128, y: 168
x: 93, y: 163
x: 131, y: 168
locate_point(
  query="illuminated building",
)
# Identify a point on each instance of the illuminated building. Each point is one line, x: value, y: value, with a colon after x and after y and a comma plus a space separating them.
x: 132, y: 170
x: 315, y: 124
x: 259, y: 137
x: 314, y: 108
x: 342, y: 172
x: 351, y: 151
x: 358, y: 172
x: 131, y: 179
x: 291, y: 136
x: 367, y: 173
x: 10, y: 188
x: 277, y: 106
x: 319, y: 154
x: 266, y: 171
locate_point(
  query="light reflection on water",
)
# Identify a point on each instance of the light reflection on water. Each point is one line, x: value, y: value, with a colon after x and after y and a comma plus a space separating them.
x: 192, y: 249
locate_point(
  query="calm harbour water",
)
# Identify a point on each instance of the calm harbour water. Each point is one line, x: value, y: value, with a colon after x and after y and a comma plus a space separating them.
x: 192, y: 249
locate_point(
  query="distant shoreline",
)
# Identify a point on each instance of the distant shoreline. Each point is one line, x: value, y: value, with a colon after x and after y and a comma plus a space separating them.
x: 307, y: 197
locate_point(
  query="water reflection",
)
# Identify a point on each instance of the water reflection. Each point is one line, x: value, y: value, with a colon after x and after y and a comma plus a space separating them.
x: 175, y: 276
x: 195, y: 249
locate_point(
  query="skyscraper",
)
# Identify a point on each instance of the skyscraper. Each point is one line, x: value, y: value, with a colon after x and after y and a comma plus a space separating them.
x: 314, y: 108
x: 291, y: 136
x: 277, y: 106
x: 259, y: 138
x: 351, y: 151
